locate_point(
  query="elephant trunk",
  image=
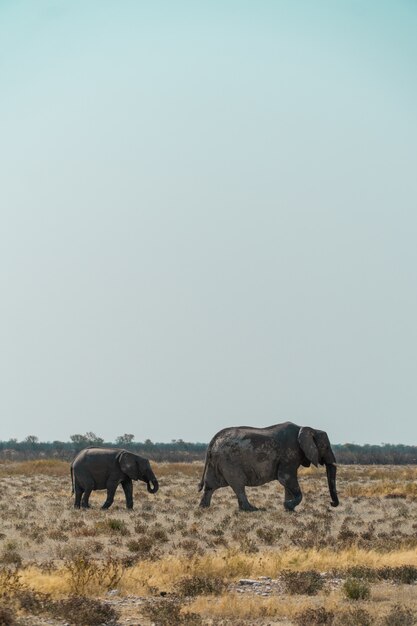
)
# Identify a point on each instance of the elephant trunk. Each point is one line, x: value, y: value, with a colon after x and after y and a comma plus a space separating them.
x: 155, y: 486
x: 331, y: 479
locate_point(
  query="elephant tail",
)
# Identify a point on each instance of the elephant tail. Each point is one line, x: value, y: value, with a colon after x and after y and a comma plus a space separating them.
x: 201, y: 484
x: 72, y: 479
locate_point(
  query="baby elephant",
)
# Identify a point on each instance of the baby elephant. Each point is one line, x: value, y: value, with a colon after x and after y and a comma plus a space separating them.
x: 106, y: 468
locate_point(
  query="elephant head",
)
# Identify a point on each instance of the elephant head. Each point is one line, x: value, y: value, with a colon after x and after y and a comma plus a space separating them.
x: 138, y: 468
x: 316, y: 446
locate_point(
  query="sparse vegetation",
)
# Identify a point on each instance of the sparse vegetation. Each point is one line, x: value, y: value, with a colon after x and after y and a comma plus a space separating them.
x: 180, y: 560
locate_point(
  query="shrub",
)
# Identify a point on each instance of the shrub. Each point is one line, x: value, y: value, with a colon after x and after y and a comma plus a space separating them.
x: 302, y: 583
x: 10, y: 582
x: 199, y: 585
x: 159, y: 535
x: 190, y: 546
x: 362, y: 572
x: 168, y: 612
x: 112, y: 525
x: 269, y: 534
x: 399, y: 616
x: 140, y: 527
x: 11, y: 557
x: 404, y: 574
x: 6, y: 616
x: 32, y: 602
x: 356, y: 589
x: 315, y: 617
x: 84, y: 611
x: 142, y: 546
x: 83, y: 572
x: 248, y: 546
x: 353, y: 617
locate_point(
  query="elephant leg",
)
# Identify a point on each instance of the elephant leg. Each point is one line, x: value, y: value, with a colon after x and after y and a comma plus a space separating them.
x: 111, y: 490
x: 244, y: 504
x: 293, y: 496
x: 207, y: 495
x: 86, y: 489
x: 211, y: 482
x: 85, y: 498
x: 78, y: 493
x: 128, y: 489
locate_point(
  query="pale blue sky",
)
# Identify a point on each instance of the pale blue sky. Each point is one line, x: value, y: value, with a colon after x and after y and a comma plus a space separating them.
x: 208, y: 217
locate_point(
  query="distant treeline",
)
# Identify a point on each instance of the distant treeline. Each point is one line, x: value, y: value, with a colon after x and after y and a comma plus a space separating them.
x: 183, y: 451
x: 32, y: 448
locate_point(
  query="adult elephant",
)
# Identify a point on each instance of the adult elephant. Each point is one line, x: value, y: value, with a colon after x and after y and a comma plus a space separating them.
x: 106, y: 468
x: 246, y: 456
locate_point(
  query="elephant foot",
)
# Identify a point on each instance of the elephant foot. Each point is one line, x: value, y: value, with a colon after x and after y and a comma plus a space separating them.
x: 248, y: 508
x: 289, y: 505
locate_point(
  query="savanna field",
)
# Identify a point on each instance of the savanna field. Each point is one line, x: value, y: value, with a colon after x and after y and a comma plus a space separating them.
x: 170, y: 562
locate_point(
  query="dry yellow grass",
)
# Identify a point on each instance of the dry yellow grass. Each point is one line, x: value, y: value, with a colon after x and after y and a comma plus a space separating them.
x: 42, y: 467
x: 193, y: 470
x: 164, y: 573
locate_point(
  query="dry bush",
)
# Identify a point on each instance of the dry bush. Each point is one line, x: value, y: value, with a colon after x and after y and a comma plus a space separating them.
x: 405, y: 574
x: 142, y: 547
x: 302, y: 583
x: 199, y: 585
x: 10, y: 582
x: 166, y: 612
x: 399, y: 616
x: 157, y: 533
x: 111, y: 525
x: 14, y: 593
x: 315, y: 617
x: 32, y: 602
x: 84, y: 611
x: 353, y: 617
x: 7, y: 617
x: 84, y: 573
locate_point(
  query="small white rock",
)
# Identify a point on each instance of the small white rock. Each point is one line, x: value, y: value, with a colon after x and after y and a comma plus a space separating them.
x: 247, y: 581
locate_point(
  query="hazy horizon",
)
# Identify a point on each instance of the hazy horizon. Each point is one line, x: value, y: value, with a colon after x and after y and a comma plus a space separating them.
x: 208, y: 218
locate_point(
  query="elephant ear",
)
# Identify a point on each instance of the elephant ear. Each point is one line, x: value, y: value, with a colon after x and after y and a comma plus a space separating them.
x: 128, y: 465
x: 308, y: 445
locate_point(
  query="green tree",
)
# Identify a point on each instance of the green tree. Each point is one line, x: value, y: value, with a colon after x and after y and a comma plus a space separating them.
x: 127, y: 438
x: 31, y: 440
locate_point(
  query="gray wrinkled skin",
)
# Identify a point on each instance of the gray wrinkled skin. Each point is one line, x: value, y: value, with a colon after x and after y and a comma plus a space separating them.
x: 244, y: 456
x: 106, y: 468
